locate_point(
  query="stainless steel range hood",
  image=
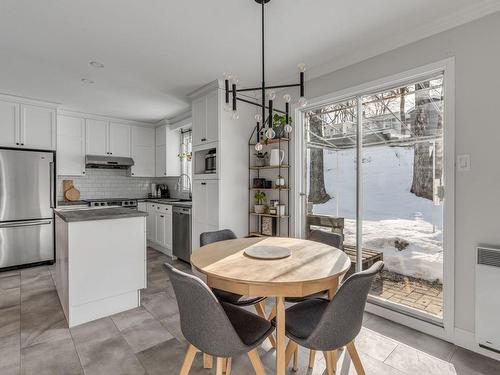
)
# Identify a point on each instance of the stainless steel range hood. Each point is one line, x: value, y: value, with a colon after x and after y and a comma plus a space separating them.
x: 108, y: 162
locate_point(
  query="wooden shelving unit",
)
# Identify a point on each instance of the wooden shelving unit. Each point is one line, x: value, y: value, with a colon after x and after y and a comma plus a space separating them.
x: 271, y: 172
x: 283, y: 166
x: 269, y: 215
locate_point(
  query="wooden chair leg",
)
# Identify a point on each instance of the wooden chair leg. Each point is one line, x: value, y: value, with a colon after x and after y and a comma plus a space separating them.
x: 312, y: 356
x: 261, y: 311
x: 296, y: 359
x: 271, y: 316
x: 228, y: 366
x: 256, y: 362
x: 290, y: 351
x: 333, y: 355
x: 329, y: 364
x: 353, y: 353
x: 207, y: 361
x: 221, y: 364
x: 188, y: 360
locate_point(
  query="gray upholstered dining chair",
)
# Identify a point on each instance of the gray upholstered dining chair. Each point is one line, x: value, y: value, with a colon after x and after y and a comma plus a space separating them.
x: 214, y: 327
x: 207, y: 238
x: 328, y: 238
x: 320, y: 324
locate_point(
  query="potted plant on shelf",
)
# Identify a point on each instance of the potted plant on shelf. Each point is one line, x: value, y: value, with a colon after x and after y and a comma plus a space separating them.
x: 260, y: 159
x: 185, y: 155
x: 260, y: 198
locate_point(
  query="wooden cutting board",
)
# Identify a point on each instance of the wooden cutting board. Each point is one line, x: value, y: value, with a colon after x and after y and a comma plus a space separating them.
x: 72, y: 194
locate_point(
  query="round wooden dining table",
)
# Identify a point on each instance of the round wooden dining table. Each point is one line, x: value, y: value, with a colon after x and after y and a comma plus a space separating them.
x: 312, y: 267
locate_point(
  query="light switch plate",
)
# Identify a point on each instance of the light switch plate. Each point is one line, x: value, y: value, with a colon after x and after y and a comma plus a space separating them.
x: 463, y: 163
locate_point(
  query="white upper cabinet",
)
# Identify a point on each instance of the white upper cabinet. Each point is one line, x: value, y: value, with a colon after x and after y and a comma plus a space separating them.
x: 212, y: 132
x: 167, y: 152
x: 199, y: 114
x: 27, y: 126
x: 119, y: 140
x: 104, y: 138
x: 96, y: 137
x: 205, y: 112
x: 143, y: 152
x: 38, y: 127
x: 9, y: 124
x: 70, y: 146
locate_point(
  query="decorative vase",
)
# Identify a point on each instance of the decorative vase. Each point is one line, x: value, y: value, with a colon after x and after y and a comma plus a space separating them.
x: 259, y: 208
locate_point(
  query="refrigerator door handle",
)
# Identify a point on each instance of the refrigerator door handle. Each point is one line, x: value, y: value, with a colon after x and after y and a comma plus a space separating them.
x: 51, y: 171
x: 28, y: 223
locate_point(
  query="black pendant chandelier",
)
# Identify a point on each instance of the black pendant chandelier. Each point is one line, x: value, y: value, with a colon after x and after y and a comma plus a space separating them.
x: 267, y: 92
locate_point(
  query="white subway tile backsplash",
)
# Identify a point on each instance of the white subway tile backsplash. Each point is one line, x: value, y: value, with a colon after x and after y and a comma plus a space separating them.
x: 114, y: 183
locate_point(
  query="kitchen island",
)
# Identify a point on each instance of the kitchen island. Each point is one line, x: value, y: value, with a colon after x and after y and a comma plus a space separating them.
x: 100, y: 261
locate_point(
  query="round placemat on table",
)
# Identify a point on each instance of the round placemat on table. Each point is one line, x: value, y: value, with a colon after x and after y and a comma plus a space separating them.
x: 267, y: 252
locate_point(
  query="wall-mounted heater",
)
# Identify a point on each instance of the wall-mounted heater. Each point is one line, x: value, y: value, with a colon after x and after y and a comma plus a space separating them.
x: 488, y: 298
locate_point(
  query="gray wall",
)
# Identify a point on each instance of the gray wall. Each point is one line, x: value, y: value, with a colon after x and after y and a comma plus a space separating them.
x: 475, y: 47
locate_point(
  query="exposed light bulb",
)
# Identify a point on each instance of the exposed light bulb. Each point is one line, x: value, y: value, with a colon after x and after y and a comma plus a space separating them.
x: 271, y: 95
x: 270, y: 133
x: 235, y: 115
x: 235, y: 79
x: 302, y: 101
x: 287, y: 98
x: 288, y: 128
x: 301, y: 67
x: 228, y: 107
x: 258, y: 117
x: 227, y: 75
x: 258, y: 146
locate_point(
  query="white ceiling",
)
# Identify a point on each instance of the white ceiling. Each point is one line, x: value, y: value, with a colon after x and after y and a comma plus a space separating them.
x: 157, y: 51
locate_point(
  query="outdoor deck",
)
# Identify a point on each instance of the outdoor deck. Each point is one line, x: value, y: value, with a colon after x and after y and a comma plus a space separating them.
x: 409, y: 291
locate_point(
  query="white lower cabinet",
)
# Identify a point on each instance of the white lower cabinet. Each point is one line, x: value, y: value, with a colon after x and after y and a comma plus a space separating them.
x: 159, y: 227
x: 205, y: 208
x: 151, y: 222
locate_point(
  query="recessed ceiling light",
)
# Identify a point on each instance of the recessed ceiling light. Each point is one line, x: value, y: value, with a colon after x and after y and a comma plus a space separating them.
x: 96, y: 64
x: 86, y: 80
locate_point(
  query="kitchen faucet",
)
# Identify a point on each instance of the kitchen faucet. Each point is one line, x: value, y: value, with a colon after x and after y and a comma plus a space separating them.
x: 178, y: 184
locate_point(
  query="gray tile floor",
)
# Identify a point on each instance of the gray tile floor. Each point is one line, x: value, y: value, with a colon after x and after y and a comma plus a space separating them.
x: 35, y: 339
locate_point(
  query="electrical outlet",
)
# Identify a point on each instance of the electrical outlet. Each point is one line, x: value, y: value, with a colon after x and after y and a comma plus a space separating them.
x: 463, y: 163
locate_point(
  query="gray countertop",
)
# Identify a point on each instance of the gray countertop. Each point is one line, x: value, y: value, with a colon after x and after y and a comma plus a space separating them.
x: 71, y: 216
x: 72, y: 203
x: 168, y: 202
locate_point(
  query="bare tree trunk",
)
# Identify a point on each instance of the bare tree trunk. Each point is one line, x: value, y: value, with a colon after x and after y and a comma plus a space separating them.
x: 317, y: 191
x: 402, y: 110
x: 423, y: 179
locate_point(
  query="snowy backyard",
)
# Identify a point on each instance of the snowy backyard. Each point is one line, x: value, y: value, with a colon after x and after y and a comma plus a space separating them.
x: 406, y: 228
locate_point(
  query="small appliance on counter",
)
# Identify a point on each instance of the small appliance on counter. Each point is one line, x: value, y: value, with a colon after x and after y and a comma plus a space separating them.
x: 163, y: 191
x: 211, y: 161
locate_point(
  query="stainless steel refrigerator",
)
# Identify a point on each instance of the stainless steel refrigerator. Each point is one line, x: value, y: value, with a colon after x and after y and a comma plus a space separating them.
x: 26, y: 201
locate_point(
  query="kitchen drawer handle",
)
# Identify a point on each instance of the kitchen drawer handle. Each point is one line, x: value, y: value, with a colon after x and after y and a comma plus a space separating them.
x: 162, y: 216
x: 203, y: 139
x: 203, y: 183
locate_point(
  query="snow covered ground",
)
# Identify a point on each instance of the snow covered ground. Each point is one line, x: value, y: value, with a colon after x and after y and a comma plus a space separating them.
x: 391, y: 212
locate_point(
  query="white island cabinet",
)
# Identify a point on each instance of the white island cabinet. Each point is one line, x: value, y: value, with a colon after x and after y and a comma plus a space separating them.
x: 101, y: 262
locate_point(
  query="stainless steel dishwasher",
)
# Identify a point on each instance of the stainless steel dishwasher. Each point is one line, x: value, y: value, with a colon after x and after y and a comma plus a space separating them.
x: 181, y: 235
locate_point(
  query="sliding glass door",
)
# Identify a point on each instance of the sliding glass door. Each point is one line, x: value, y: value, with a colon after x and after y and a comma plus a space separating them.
x: 374, y: 173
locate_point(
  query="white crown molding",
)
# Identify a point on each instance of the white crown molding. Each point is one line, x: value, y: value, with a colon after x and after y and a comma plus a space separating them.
x: 92, y: 116
x: 216, y: 84
x: 450, y: 21
x: 31, y: 101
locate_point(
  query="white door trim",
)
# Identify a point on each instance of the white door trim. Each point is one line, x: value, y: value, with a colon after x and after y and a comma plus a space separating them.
x: 448, y: 67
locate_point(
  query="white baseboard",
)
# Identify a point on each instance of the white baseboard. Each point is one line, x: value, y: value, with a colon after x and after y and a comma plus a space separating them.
x: 467, y: 340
